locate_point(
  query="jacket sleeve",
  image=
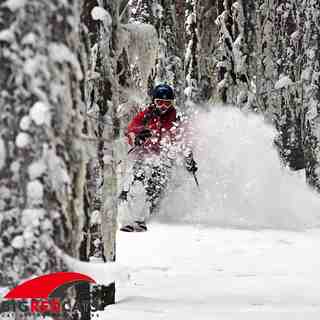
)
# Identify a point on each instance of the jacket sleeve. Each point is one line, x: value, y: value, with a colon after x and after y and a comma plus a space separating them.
x: 135, y: 126
x: 173, y: 117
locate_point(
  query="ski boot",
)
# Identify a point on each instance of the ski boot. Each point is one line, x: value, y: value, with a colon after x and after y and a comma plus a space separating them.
x: 137, y: 226
x: 140, y: 226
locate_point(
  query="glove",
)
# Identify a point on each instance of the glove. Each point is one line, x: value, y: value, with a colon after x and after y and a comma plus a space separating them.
x: 123, y: 195
x: 142, y: 136
x: 191, y: 165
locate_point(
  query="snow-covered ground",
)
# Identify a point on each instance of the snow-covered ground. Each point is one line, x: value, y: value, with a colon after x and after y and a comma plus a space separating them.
x: 188, y: 272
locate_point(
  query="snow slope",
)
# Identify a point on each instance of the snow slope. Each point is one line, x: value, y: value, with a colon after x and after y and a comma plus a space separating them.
x: 186, y: 272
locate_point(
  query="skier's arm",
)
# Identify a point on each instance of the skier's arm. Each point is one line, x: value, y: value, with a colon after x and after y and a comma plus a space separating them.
x: 135, y: 127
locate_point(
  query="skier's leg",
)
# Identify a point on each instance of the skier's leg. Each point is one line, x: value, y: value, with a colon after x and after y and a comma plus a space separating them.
x: 124, y: 218
x: 140, y: 209
x: 149, y: 179
x: 156, y: 185
x: 135, y: 200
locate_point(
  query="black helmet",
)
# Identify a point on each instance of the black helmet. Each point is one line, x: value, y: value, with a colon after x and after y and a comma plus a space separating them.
x: 163, y: 91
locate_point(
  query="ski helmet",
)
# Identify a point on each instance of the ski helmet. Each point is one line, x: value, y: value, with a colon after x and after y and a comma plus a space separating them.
x: 163, y: 91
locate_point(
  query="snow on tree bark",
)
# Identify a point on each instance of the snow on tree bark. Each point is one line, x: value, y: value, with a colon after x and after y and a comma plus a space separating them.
x: 142, y: 11
x: 170, y: 59
x: 91, y: 246
x: 288, y: 110
x: 310, y: 77
x: 226, y: 64
x: 191, y: 64
x: 140, y: 41
x: 207, y: 45
x: 42, y: 174
x: 103, y: 99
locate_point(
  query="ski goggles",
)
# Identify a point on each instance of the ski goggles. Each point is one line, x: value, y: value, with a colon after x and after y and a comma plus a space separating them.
x: 163, y: 103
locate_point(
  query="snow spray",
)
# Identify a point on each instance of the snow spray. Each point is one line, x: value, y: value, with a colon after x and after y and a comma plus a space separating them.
x: 243, y: 183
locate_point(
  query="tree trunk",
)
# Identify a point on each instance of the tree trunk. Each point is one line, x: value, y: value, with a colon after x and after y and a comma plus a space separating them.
x: 311, y: 85
x: 104, y: 94
x: 42, y: 168
x: 191, y: 61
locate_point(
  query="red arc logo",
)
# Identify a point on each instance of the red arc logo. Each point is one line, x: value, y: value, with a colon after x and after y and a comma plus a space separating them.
x: 41, y: 287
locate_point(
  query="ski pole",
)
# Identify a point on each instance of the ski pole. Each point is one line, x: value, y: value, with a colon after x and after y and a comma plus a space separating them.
x: 132, y: 149
x: 196, y: 179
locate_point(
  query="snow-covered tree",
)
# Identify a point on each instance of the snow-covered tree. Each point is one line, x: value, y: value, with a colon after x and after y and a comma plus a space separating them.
x: 142, y: 43
x: 142, y: 11
x: 107, y: 83
x: 288, y: 107
x: 170, y: 59
x: 207, y: 31
x: 42, y: 167
x: 108, y: 101
x: 310, y: 76
x: 100, y: 23
x: 226, y: 64
x: 191, y: 53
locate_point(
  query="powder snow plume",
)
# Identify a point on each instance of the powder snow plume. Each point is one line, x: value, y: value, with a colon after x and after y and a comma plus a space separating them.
x: 242, y: 183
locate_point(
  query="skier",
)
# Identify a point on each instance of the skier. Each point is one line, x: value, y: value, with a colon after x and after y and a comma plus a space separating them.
x: 151, y: 134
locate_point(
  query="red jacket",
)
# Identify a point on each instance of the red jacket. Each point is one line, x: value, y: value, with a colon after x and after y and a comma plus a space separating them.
x: 159, y: 126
